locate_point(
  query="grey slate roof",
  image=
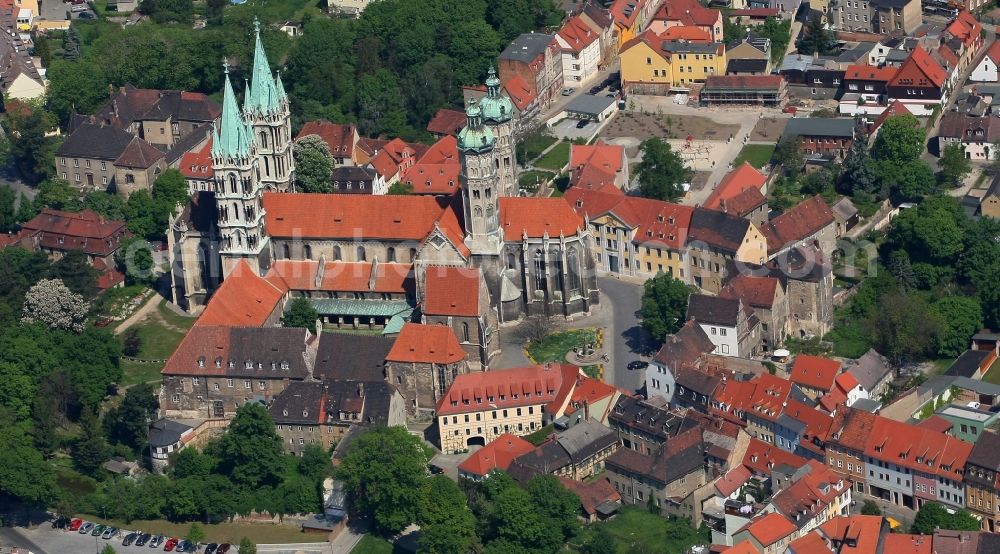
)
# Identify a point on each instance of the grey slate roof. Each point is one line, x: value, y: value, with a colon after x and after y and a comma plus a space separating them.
x: 353, y: 173
x: 844, y: 208
x: 589, y: 104
x: 746, y: 66
x: 377, y: 394
x: 968, y: 363
x: 527, y: 47
x: 819, y: 127
x: 299, y: 404
x: 713, y: 310
x: 896, y: 56
x: 639, y: 414
x: 266, y: 348
x: 357, y: 357
x: 585, y: 439
x: 870, y: 369
x: 986, y: 452
x: 165, y: 432
x: 717, y: 229
x: 93, y: 141
x: 684, y: 346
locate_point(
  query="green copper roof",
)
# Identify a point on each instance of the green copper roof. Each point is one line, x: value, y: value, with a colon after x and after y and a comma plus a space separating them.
x: 232, y: 137
x: 495, y: 106
x: 263, y: 95
x: 475, y: 137
x: 353, y: 307
x: 281, y: 87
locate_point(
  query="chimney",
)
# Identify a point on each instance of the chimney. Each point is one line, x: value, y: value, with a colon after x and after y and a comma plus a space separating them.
x: 361, y: 390
x: 586, y: 409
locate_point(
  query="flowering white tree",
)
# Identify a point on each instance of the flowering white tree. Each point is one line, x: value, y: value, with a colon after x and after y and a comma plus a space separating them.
x: 50, y: 301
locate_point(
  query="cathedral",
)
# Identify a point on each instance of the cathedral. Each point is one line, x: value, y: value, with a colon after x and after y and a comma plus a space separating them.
x: 473, y: 260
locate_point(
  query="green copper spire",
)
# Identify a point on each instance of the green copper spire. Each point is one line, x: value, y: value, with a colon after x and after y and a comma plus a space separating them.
x: 496, y: 106
x: 475, y: 137
x: 262, y: 94
x: 231, y: 138
x: 281, y: 88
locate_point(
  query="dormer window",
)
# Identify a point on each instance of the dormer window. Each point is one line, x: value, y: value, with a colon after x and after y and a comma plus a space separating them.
x: 248, y: 365
x: 232, y: 364
x: 201, y: 361
x: 218, y: 362
x: 305, y: 413
x: 284, y: 412
x: 284, y: 366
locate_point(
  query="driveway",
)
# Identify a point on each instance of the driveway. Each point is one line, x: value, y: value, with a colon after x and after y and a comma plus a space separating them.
x: 568, y: 129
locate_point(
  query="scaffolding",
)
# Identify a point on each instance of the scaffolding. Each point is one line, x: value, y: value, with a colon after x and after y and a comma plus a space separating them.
x: 719, y: 93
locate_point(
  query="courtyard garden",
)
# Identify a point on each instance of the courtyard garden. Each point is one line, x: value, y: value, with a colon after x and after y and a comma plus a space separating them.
x: 759, y: 155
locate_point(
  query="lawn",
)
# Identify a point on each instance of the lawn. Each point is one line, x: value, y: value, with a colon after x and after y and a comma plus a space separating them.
x: 532, y: 146
x: 637, y: 530
x: 539, y: 436
x: 993, y: 373
x: 373, y: 545
x: 261, y: 533
x: 758, y: 155
x: 554, y: 347
x: 159, y: 334
x: 555, y: 159
x: 529, y: 180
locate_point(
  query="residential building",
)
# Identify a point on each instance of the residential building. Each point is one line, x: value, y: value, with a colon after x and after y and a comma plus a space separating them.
x: 217, y: 369
x: 740, y: 193
x: 162, y: 118
x: 964, y: 37
x: 347, y: 8
x: 988, y: 69
x: 868, y: 83
x: 752, y: 17
x: 821, y: 137
x: 94, y: 156
x: 598, y: 18
x: 437, y: 171
x: 845, y: 451
x: 846, y: 215
x: 757, y: 403
x: 666, y: 480
x: 858, y: 533
x: 982, y: 481
x: 322, y: 412
x: 352, y: 179
x: 750, y: 48
x: 688, y: 13
x: 714, y: 240
x: 765, y: 460
x: 766, y: 296
x: 967, y: 422
x: 878, y: 16
x: 599, y: 501
x: 976, y: 135
x: 495, y: 456
x: 989, y: 206
x: 446, y: 122
x: 815, y: 496
x: 696, y: 386
x: 920, y: 83
x: 341, y: 139
x: 753, y: 90
x: 652, y: 65
x: 633, y: 235
x: 873, y: 373
x: 768, y: 534
x: 687, y: 347
x: 630, y: 18
x: 536, y: 58
x: 644, y: 425
x: 576, y: 453
x: 423, y: 362
x: 803, y: 430
x: 581, y: 51
x: 479, y: 407
x: 729, y: 324
x: 196, y: 167
x: 57, y: 232
x: 166, y: 437
x: 814, y: 375
x: 592, y: 399
x: 21, y: 79
x: 594, y: 166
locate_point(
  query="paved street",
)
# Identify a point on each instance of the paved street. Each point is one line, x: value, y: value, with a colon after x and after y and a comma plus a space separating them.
x: 628, y: 341
x: 43, y: 539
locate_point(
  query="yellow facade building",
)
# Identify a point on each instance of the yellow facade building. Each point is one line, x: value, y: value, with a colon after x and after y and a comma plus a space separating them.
x: 651, y: 65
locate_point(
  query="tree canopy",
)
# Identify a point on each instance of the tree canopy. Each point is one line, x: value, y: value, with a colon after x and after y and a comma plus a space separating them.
x: 300, y: 313
x: 933, y: 516
x: 661, y: 171
x: 313, y: 164
x: 664, y: 305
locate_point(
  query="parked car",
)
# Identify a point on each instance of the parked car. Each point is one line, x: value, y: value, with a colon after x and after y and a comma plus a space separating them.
x: 638, y: 364
x: 130, y: 538
x: 156, y: 541
x: 98, y: 530
x: 88, y: 15
x: 60, y: 522
x: 109, y: 532
x: 582, y: 123
x: 86, y: 527
x: 211, y: 547
x: 223, y: 548
x: 75, y: 524
x: 435, y: 469
x: 142, y: 539
x: 567, y: 91
x: 185, y: 546
x: 77, y: 8
x: 595, y: 90
x: 170, y: 544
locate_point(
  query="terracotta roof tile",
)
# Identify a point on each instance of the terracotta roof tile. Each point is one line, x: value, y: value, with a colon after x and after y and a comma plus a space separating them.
x: 351, y: 216
x: 737, y: 182
x: 197, y: 164
x: 687, y: 12
x: 452, y: 291
x: 243, y: 300
x: 744, y: 547
x: 85, y: 230
x: 537, y: 217
x: 758, y: 292
x: 626, y: 12
x: 139, y: 154
x: 761, y: 457
x: 302, y: 275
x: 809, y: 543
x: 865, y: 72
x: 811, y: 494
x: 577, y: 34
x: 591, y: 494
x: 498, y: 454
x: 770, y: 529
x: 431, y: 344
x: 814, y: 372
x: 549, y: 384
x: 684, y: 32
x: 437, y: 171
x: 798, y: 224
x: 732, y: 480
x: 655, y: 222
x: 861, y: 531
x: 896, y: 108
x: 446, y: 122
x: 918, y: 448
x: 919, y: 69
x: 340, y: 138
x: 900, y: 543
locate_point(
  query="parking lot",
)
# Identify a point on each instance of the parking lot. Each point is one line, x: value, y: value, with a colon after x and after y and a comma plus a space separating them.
x: 58, y: 541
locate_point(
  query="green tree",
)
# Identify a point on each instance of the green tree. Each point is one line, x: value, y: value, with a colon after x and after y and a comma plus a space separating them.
x: 75, y: 272
x: 963, y: 317
x: 399, y: 188
x: 900, y: 139
x: 32, y: 150
x: 213, y: 11
x: 899, y: 265
x: 954, y: 165
x: 815, y: 38
x: 170, y: 189
x: 251, y: 449
x: 908, y: 332
x: 167, y: 11
x: 445, y: 521
x: 195, y: 533
x: 383, y: 473
x: 24, y: 475
x: 191, y: 463
x: 870, y: 508
x: 313, y: 164
x: 780, y: 33
x: 108, y: 549
x: 315, y: 463
x: 58, y: 194
x: 555, y: 503
x: 933, y: 231
x: 108, y: 204
x: 90, y: 449
x: 664, y: 305
x: 933, y: 516
x: 912, y: 180
x: 8, y: 213
x: 380, y: 105
x: 519, y: 526
x: 128, y: 423
x: 788, y: 154
x: 300, y: 313
x: 135, y: 259
x: 858, y: 175
x: 247, y: 546
x: 71, y: 44
x: 601, y: 542
x: 661, y: 171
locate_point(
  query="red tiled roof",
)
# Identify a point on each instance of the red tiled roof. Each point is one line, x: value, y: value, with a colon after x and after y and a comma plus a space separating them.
x: 993, y: 52
x: 302, y: 275
x: 244, y: 299
x: 948, y: 55
x: 654, y: 221
x: 762, y: 396
x: 817, y: 423
x: 437, y: 171
x: 734, y: 186
x: 684, y: 32
x: 577, y: 34
x: 806, y: 497
x: 770, y: 528
x: 591, y: 494
x: 900, y: 543
x: 862, y: 531
x: 965, y: 27
x: 797, y: 224
x: 430, y: 344
x: 744, y: 547
x: 896, y: 108
x: 865, y: 72
x: 732, y: 480
x: 758, y: 292
x: 756, y: 12
x: 832, y: 400
x: 519, y: 91
x: 625, y: 12
x: 687, y: 12
x: 814, y: 372
x: 446, y: 122
x: 852, y: 428
x: 451, y: 291
x: 753, y: 82
x: 810, y: 543
x: 919, y: 69
x: 936, y: 423
x: 761, y: 457
x: 591, y: 391
x: 607, y: 156
x: 537, y: 217
x: 340, y: 138
x: 904, y: 444
x: 85, y: 230
x: 351, y: 216
x: 197, y: 164
x: 846, y: 382
x: 498, y: 454
x: 549, y: 384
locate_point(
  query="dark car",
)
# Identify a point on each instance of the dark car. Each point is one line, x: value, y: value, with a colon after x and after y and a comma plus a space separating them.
x: 211, y: 547
x: 142, y: 539
x: 595, y: 90
x: 638, y: 364
x: 583, y: 123
x: 182, y: 545
x: 87, y: 15
x: 98, y: 530
x: 61, y: 522
x: 223, y: 548
x: 435, y: 469
x: 130, y: 538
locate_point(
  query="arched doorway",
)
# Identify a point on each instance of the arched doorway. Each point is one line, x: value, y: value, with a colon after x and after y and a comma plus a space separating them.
x: 475, y: 441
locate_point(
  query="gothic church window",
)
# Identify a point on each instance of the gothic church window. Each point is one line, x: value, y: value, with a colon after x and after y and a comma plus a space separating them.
x: 336, y: 253
x: 307, y: 251
x: 465, y: 331
x: 390, y: 254
x: 361, y: 254
x: 539, y: 262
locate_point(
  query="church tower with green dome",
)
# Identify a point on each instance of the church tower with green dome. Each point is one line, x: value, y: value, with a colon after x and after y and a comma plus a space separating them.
x: 265, y: 107
x: 479, y: 185
x: 238, y: 189
x: 498, y: 115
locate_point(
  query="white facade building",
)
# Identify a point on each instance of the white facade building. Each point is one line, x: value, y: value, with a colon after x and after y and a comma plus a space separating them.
x: 581, y: 51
